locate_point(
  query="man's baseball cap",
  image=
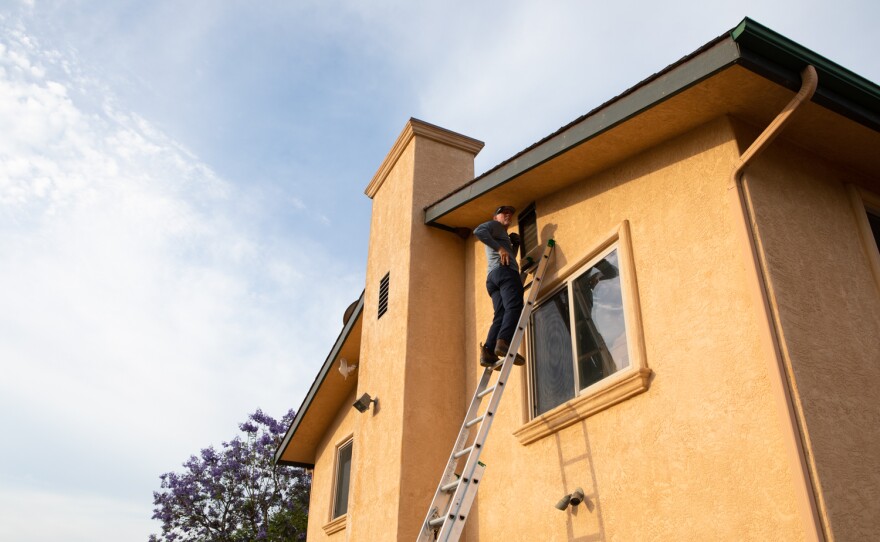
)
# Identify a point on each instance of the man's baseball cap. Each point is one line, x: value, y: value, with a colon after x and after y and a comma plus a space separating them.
x: 505, y: 209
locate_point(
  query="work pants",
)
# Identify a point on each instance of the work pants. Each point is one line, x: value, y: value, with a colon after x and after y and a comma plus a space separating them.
x: 506, y: 290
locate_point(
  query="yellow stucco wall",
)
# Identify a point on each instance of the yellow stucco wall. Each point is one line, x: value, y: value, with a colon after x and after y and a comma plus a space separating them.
x: 829, y: 310
x: 700, y: 455
x: 322, y: 493
x: 383, y: 354
x: 705, y: 453
x: 411, y: 358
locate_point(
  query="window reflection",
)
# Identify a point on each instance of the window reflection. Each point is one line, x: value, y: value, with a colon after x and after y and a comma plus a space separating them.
x: 598, y: 314
x: 594, y: 302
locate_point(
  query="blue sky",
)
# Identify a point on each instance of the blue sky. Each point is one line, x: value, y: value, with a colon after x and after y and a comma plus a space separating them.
x: 182, y: 218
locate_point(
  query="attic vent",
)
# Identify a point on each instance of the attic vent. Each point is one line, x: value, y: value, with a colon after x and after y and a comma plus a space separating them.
x: 383, y: 294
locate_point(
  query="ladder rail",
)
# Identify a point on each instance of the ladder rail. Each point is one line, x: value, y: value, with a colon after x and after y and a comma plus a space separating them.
x: 450, y: 522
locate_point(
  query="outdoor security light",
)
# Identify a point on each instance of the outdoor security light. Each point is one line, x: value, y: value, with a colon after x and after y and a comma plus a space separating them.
x: 575, y: 498
x: 363, y: 404
x: 563, y: 503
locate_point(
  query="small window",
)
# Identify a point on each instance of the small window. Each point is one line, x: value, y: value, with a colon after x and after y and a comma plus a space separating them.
x: 343, y: 479
x: 874, y: 221
x: 578, y: 334
x: 383, y: 294
x: 528, y: 230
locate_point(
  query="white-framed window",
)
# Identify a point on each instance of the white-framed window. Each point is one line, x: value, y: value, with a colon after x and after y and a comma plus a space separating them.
x: 342, y: 479
x: 578, y: 333
x: 586, y: 347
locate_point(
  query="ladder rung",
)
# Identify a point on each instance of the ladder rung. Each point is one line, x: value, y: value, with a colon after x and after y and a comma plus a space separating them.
x: 475, y: 421
x: 464, y: 452
x: 450, y: 487
x: 437, y: 521
x: 486, y: 392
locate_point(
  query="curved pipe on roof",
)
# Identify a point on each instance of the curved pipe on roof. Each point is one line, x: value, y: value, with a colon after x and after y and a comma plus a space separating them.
x: 739, y: 190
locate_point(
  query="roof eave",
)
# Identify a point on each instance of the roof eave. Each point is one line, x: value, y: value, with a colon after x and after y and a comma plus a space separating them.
x: 316, y: 385
x: 751, y: 45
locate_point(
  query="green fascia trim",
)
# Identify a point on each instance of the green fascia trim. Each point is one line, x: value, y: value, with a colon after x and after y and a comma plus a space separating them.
x: 714, y: 57
x: 750, y: 44
x: 316, y: 385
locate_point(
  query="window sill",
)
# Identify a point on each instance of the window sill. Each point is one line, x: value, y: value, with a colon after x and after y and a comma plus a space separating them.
x: 610, y: 392
x: 336, y: 525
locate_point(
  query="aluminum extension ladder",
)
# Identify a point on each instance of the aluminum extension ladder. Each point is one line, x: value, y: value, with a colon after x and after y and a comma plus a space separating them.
x: 456, y: 492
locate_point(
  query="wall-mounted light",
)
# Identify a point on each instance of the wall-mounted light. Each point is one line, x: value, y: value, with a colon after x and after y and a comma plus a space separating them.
x: 574, y: 498
x: 363, y: 404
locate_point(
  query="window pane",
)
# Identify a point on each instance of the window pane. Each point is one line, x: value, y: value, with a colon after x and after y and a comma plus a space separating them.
x: 343, y: 476
x: 528, y: 230
x: 600, y: 329
x: 551, y: 353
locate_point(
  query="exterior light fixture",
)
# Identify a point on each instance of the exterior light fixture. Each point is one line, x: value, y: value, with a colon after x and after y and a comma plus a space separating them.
x: 574, y: 498
x: 363, y: 404
x: 563, y: 503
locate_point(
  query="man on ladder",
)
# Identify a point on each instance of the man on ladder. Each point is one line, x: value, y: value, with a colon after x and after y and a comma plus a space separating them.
x: 503, y: 283
x: 457, y: 489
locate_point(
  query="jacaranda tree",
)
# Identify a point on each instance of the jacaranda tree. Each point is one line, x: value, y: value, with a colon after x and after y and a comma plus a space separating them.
x: 235, y: 494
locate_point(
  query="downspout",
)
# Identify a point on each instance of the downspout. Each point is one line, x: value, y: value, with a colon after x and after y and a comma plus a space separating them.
x: 810, y: 497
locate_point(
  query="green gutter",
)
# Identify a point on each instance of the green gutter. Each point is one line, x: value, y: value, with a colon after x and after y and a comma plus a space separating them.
x: 316, y: 385
x: 841, y: 90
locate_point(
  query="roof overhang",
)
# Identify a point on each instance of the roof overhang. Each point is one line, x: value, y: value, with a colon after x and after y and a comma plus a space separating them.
x: 325, y: 397
x: 749, y: 73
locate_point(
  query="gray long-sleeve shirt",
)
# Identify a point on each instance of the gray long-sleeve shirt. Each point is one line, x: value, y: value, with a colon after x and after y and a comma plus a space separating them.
x: 494, y: 235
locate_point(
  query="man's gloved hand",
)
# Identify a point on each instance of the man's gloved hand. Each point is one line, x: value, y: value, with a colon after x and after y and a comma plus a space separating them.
x: 514, y: 241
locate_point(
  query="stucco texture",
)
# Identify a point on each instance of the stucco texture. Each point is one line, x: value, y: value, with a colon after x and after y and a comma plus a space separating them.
x: 322, y: 493
x: 411, y: 357
x: 829, y: 313
x: 700, y: 454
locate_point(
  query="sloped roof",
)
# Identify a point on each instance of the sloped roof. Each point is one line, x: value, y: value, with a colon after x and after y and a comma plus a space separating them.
x: 750, y: 47
x: 325, y: 396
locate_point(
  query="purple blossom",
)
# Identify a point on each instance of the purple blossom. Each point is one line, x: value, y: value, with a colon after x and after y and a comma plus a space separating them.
x: 235, y: 493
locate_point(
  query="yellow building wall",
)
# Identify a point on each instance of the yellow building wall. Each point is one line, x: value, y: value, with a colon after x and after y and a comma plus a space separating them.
x: 700, y: 455
x: 412, y: 357
x: 379, y: 431
x: 829, y: 309
x: 324, y: 473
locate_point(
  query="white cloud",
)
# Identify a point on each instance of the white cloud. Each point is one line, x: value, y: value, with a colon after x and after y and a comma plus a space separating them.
x: 142, y: 312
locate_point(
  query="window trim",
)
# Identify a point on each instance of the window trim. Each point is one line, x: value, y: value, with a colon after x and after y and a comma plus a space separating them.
x: 618, y: 387
x: 861, y: 201
x: 334, y: 522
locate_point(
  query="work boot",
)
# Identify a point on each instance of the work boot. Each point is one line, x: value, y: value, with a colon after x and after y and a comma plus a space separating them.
x: 487, y: 357
x: 501, y: 348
